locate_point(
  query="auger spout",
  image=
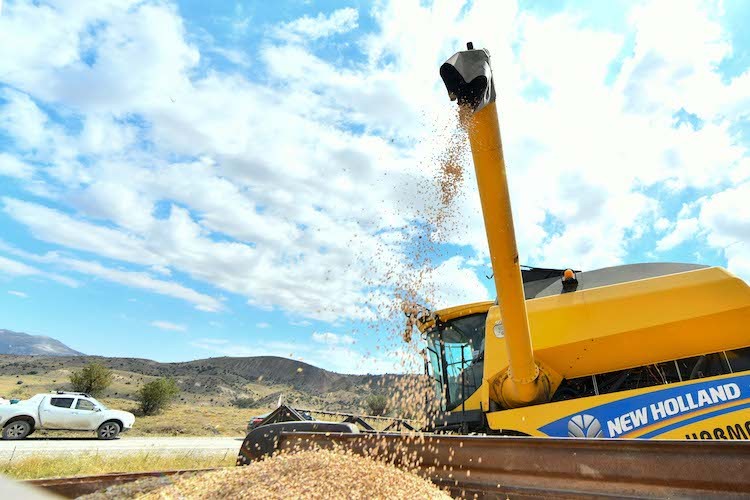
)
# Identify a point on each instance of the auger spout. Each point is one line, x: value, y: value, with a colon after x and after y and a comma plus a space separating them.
x: 468, y: 78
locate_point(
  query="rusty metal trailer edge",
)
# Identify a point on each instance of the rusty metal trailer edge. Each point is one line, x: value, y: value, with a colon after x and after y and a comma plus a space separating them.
x: 522, y: 467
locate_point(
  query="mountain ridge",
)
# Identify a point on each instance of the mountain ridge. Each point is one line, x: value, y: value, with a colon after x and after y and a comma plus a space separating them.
x: 217, y: 380
x: 207, y: 381
x: 24, y: 344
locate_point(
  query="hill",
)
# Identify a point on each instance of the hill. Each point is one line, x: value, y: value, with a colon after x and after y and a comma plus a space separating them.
x: 24, y: 344
x: 213, y: 381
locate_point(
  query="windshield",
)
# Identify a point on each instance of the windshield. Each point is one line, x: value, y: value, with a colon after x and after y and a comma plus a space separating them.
x: 456, y: 358
x: 98, y: 404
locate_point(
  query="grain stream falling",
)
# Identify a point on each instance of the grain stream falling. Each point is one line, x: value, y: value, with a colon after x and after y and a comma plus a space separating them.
x: 410, y: 277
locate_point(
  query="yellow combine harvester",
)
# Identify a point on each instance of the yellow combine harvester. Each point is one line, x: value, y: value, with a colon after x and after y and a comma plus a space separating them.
x: 659, y: 350
x: 638, y: 351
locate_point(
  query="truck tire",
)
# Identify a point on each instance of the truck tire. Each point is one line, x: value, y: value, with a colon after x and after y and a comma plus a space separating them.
x: 17, y: 429
x: 108, y: 430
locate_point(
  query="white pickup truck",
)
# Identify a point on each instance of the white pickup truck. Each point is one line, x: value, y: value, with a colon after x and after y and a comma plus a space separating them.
x: 63, y: 411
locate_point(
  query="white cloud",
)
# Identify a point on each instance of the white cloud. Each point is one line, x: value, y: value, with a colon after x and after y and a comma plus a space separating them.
x: 49, y: 62
x: 166, y: 325
x: 16, y: 268
x: 10, y: 166
x: 228, y: 348
x: 234, y: 56
x: 452, y: 283
x: 300, y: 323
x: 134, y: 279
x: 725, y: 217
x: 263, y: 325
x: 662, y: 224
x: 18, y: 294
x: 332, y: 338
x: 56, y: 227
x: 684, y: 230
x: 311, y: 28
x: 143, y: 281
x: 24, y: 121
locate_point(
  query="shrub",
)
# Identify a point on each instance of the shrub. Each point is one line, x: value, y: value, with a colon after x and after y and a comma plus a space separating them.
x: 156, y: 395
x: 91, y: 379
x: 377, y: 404
x: 243, y: 402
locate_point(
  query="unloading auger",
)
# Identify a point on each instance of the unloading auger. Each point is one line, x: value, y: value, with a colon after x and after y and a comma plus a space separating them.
x: 468, y: 78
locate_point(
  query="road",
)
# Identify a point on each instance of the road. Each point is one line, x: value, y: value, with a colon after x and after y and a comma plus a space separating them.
x: 125, y: 445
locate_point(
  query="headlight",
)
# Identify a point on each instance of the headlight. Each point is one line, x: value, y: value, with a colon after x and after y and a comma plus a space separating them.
x: 499, y: 330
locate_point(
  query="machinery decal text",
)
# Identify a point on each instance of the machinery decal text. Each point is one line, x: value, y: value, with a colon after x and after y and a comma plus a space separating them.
x: 635, y: 410
x: 731, y: 431
x: 672, y: 406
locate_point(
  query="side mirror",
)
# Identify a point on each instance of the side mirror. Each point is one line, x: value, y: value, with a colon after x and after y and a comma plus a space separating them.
x: 97, y: 409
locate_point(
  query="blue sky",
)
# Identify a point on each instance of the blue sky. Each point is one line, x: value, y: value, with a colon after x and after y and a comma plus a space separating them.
x: 193, y: 179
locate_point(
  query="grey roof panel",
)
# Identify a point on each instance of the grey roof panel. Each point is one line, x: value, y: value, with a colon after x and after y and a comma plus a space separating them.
x: 608, y: 276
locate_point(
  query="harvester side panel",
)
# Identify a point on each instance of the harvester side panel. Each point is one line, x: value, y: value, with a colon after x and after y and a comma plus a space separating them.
x: 631, y: 324
x: 704, y: 409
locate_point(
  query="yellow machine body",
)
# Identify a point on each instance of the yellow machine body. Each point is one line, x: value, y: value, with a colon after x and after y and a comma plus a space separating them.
x: 708, y: 408
x: 534, y: 350
x: 618, y: 327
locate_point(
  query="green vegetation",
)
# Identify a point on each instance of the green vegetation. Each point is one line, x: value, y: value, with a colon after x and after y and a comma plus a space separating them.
x: 92, y: 379
x: 156, y: 395
x: 377, y: 404
x: 41, y: 466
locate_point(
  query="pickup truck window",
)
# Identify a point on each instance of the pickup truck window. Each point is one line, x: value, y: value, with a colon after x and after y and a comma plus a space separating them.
x: 61, y: 402
x: 84, y: 404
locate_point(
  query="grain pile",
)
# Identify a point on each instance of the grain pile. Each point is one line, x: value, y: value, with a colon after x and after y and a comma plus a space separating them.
x: 315, y: 474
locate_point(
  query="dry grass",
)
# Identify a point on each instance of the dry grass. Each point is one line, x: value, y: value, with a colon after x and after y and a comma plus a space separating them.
x: 180, y: 420
x: 190, y: 420
x: 123, y: 383
x: 196, y: 417
x: 43, y: 466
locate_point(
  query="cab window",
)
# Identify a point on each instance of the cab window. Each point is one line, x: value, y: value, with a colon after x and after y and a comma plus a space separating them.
x: 456, y: 356
x: 85, y: 404
x: 61, y: 402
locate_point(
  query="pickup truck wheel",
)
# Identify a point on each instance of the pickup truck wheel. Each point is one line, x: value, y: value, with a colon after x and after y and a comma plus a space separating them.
x: 108, y: 430
x: 17, y: 430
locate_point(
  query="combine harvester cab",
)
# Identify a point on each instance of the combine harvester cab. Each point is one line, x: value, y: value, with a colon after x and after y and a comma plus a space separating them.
x: 639, y: 351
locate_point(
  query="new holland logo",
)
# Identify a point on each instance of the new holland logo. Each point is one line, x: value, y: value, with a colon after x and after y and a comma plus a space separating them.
x: 584, y: 426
